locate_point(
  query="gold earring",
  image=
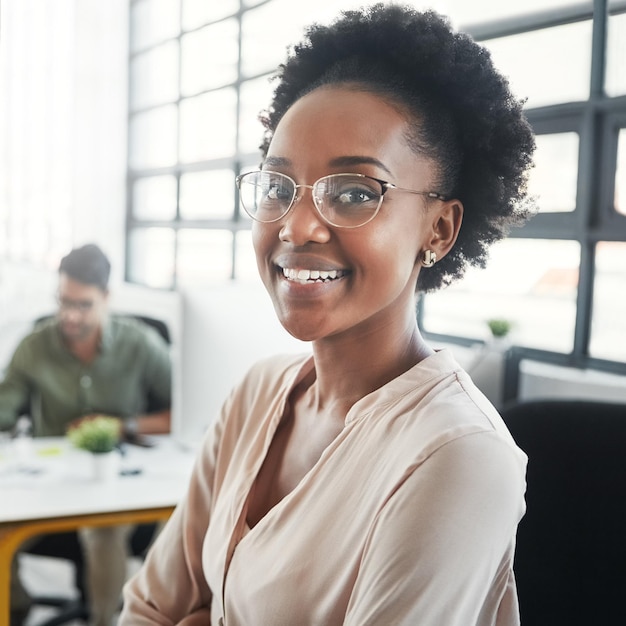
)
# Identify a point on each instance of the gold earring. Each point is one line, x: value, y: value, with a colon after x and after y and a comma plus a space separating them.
x: 429, y: 258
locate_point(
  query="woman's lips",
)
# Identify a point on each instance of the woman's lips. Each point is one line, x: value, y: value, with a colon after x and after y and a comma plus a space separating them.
x: 306, y: 276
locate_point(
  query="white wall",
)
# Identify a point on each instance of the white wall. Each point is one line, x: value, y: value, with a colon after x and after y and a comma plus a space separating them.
x: 100, y: 127
x: 25, y: 294
x: 63, y: 128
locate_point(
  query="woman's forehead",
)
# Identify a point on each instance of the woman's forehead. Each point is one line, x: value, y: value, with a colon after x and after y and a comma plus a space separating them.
x: 341, y: 117
x: 344, y: 127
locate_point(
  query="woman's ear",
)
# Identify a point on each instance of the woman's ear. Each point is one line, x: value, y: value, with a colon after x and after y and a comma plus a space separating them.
x: 445, y: 227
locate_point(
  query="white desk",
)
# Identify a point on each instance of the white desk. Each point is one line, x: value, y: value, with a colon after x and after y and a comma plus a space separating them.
x: 52, y: 490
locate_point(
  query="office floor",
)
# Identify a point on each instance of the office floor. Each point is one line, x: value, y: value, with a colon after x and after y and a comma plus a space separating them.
x: 44, y: 576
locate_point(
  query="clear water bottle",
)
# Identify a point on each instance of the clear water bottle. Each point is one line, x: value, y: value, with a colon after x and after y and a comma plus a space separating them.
x: 23, y: 441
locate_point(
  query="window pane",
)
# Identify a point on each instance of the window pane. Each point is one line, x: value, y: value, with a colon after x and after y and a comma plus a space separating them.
x: 462, y: 12
x: 264, y: 47
x: 255, y: 97
x: 207, y: 126
x: 151, y: 259
x: 616, y: 56
x: 608, y: 327
x: 206, y: 195
x: 216, y: 43
x: 532, y: 283
x: 199, y: 12
x: 152, y: 21
x: 261, y: 48
x: 204, y: 256
x: 154, y: 198
x: 153, y: 138
x: 154, y: 76
x: 556, y: 51
x: 620, y: 176
x: 553, y: 179
x: 245, y: 261
x: 252, y: 3
x: 465, y: 12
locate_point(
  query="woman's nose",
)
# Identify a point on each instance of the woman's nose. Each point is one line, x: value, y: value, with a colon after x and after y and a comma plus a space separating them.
x: 303, y: 222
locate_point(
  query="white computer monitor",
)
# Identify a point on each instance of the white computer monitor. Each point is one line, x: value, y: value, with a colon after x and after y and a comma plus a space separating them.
x: 225, y: 329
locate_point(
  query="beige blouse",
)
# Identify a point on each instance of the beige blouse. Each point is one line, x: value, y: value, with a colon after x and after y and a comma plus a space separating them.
x: 409, y: 516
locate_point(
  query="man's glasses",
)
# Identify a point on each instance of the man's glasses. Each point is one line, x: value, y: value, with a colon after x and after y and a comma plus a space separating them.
x: 342, y: 200
x: 81, y: 306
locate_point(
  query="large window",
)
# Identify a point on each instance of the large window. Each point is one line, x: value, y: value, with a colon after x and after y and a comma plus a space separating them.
x: 199, y: 77
x: 558, y: 278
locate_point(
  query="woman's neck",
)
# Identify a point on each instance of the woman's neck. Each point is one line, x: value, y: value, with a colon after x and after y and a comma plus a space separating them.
x: 346, y: 371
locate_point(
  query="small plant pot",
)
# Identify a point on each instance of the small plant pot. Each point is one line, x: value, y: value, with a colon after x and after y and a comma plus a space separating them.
x: 498, y: 344
x: 105, y: 466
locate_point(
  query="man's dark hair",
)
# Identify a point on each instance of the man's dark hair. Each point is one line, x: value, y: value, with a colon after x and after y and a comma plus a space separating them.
x: 88, y: 265
x: 463, y: 113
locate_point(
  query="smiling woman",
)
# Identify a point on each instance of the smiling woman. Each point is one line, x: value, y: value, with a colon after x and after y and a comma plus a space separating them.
x: 369, y: 483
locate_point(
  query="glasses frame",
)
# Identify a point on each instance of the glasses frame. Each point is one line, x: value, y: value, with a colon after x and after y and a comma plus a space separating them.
x: 384, y: 185
x: 80, y: 306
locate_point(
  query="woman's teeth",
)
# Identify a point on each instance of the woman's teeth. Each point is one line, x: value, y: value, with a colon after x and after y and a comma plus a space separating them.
x: 314, y: 276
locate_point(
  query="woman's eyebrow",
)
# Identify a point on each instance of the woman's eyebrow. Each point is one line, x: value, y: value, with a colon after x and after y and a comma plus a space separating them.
x: 358, y: 160
x: 342, y: 161
x: 276, y: 162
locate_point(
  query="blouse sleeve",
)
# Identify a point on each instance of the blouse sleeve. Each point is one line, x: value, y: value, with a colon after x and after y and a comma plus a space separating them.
x: 170, y: 588
x: 441, y: 549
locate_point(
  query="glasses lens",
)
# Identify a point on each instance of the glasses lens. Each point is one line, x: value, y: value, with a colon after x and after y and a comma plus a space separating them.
x: 348, y: 200
x: 67, y: 304
x: 266, y: 196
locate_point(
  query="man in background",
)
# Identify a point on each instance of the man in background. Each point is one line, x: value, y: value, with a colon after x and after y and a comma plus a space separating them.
x: 80, y: 364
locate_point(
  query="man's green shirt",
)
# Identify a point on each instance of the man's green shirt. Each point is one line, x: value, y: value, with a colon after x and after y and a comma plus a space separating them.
x: 46, y: 381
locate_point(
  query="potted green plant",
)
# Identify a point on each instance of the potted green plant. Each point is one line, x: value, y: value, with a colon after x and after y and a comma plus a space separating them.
x: 99, y: 435
x: 499, y: 327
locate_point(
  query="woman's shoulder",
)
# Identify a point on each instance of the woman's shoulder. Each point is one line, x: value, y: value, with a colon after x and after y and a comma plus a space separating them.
x: 437, y: 403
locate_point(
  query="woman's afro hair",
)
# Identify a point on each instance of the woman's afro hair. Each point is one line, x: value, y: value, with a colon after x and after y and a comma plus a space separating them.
x: 465, y: 116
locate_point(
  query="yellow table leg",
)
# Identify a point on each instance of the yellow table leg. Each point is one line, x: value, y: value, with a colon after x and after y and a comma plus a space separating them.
x: 13, y: 534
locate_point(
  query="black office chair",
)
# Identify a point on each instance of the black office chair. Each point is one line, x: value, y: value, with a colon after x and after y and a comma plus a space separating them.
x: 66, y: 545
x: 570, y: 562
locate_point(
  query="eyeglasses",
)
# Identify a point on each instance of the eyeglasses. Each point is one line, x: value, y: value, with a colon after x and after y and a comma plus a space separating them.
x: 81, y: 306
x: 342, y: 200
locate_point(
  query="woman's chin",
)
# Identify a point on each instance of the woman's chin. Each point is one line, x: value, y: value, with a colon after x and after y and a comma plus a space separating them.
x: 302, y: 333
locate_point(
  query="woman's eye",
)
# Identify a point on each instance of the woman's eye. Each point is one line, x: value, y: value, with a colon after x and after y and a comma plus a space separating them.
x: 277, y: 192
x: 272, y: 193
x: 355, y: 196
